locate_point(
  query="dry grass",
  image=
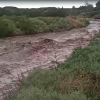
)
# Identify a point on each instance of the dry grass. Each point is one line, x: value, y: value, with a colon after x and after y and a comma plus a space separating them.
x: 76, y: 22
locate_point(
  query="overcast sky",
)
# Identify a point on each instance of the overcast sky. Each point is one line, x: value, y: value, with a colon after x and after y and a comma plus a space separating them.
x: 38, y: 4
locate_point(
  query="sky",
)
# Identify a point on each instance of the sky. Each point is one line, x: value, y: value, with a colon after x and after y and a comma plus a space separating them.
x: 46, y: 3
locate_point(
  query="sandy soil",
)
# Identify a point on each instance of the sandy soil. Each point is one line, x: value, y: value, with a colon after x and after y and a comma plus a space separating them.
x: 20, y: 55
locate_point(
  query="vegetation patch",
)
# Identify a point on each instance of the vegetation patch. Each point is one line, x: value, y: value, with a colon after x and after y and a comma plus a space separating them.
x: 7, y: 28
x: 19, y: 25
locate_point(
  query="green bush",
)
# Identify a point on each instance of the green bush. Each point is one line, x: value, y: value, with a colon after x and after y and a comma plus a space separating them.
x: 49, y: 20
x: 26, y: 26
x: 56, y: 23
x: 84, y: 21
x: 43, y: 24
x: 31, y: 26
x: 39, y: 25
x: 18, y: 25
x: 60, y: 25
x: 7, y: 28
x: 84, y: 66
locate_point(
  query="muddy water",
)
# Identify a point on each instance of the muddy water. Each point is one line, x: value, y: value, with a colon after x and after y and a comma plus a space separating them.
x: 20, y: 55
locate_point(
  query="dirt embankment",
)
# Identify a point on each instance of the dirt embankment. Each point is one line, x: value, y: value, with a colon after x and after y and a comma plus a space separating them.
x: 20, y: 55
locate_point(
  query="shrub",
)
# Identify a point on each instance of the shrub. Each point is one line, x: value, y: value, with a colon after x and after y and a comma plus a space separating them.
x: 85, y: 70
x: 84, y: 21
x: 56, y: 23
x: 31, y: 26
x: 39, y: 25
x: 78, y: 22
x: 18, y: 25
x: 7, y: 28
x: 49, y: 20
x: 60, y: 25
x: 75, y: 23
x: 26, y: 26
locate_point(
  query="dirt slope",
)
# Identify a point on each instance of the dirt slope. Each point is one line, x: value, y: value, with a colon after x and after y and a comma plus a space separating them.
x: 20, y: 55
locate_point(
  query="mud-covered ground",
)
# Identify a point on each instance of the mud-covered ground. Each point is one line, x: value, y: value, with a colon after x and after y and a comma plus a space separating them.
x: 20, y: 55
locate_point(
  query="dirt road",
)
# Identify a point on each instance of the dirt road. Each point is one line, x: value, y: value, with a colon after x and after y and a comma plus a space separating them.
x: 20, y: 55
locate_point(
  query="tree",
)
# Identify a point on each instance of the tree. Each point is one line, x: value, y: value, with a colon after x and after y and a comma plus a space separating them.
x: 98, y: 4
x: 89, y: 7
